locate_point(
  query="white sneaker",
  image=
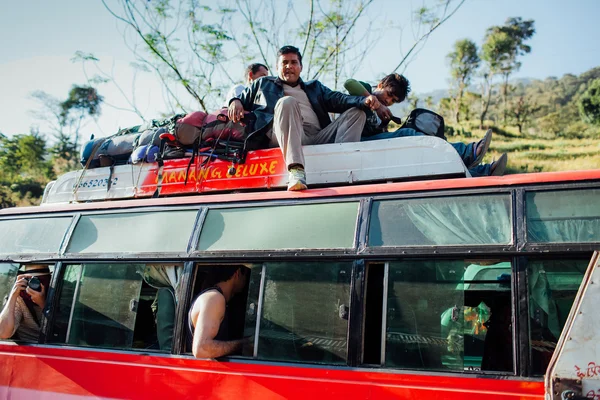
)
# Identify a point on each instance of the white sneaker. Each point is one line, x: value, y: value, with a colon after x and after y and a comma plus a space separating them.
x: 296, y: 179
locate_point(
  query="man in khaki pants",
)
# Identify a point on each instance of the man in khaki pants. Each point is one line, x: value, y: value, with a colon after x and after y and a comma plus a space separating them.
x: 291, y: 113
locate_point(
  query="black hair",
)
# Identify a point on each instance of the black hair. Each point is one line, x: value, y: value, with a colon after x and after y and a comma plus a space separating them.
x: 398, y: 85
x: 223, y: 273
x: 254, y: 68
x: 288, y: 50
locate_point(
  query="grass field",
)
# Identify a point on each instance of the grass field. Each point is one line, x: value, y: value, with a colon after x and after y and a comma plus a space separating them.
x: 534, y: 154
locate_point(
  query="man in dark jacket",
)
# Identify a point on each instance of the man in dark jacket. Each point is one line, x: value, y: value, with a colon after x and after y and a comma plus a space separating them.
x: 291, y: 113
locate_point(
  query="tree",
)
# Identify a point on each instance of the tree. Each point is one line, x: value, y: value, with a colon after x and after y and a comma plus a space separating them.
x: 65, y: 119
x: 521, y: 111
x: 25, y: 168
x: 589, y: 103
x: 503, y: 45
x: 464, y: 61
x: 192, y: 46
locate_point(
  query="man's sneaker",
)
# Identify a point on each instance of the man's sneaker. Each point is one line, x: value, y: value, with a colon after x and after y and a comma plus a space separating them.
x: 481, y: 148
x: 296, y: 179
x: 499, y: 166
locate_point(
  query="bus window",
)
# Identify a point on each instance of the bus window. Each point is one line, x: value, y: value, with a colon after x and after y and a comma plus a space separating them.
x: 299, y: 309
x: 26, y: 310
x: 443, y: 221
x: 307, y: 226
x: 449, y: 315
x: 553, y: 285
x: 563, y: 216
x: 32, y: 235
x: 304, y: 316
x: 121, y: 306
x: 133, y: 232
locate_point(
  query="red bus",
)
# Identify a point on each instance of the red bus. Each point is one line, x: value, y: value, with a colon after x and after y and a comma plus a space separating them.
x: 440, y: 289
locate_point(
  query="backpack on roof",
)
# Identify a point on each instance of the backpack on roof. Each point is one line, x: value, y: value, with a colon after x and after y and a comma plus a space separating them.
x: 425, y: 121
x: 112, y: 150
x: 199, y: 126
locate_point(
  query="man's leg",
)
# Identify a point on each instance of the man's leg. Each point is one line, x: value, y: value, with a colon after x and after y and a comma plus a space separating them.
x: 346, y: 128
x: 288, y: 131
x: 496, y: 168
x: 473, y: 153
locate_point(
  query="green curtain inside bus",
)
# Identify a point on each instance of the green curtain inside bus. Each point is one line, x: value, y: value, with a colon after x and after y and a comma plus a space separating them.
x: 563, y: 216
x: 32, y: 235
x: 442, y: 221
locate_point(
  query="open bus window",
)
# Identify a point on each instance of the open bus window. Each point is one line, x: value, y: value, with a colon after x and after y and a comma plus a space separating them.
x: 299, y: 309
x: 448, y: 315
x: 553, y: 285
x: 26, y: 310
x: 121, y: 306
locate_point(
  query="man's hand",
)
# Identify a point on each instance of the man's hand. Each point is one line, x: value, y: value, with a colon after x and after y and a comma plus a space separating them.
x: 372, y: 102
x: 19, y: 286
x: 384, y: 113
x: 235, y: 111
x: 38, y: 298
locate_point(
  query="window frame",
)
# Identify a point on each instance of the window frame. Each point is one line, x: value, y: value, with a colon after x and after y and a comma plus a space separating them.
x: 433, y: 250
x: 542, y: 247
x: 273, y: 253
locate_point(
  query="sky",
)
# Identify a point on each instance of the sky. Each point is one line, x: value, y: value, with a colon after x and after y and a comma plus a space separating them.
x: 38, y: 39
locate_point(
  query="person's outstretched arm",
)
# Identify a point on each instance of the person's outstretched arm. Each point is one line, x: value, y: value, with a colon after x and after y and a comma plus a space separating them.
x: 210, y: 311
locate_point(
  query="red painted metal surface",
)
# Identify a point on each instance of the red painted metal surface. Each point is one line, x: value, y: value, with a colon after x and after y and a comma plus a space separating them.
x: 399, y: 187
x: 262, y: 170
x: 26, y: 371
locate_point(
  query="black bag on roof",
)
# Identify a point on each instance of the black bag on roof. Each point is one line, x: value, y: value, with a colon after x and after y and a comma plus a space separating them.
x: 425, y: 121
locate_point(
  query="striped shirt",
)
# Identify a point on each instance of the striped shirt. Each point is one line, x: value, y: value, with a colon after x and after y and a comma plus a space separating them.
x: 26, y: 327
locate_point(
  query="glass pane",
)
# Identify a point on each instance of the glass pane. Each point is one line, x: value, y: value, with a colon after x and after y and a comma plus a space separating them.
x: 553, y: 285
x: 26, y: 236
x: 167, y: 231
x: 563, y: 216
x: 252, y: 308
x: 117, y: 306
x: 305, y: 312
x: 316, y: 226
x: 8, y: 275
x: 449, y: 315
x: 463, y: 220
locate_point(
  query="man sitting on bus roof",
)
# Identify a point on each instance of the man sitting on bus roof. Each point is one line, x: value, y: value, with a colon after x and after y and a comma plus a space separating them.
x: 207, y: 320
x: 291, y: 113
x: 21, y: 316
x: 394, y: 88
x: 253, y: 72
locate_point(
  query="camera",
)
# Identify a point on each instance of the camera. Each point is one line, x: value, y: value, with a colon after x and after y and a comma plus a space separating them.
x: 34, y: 283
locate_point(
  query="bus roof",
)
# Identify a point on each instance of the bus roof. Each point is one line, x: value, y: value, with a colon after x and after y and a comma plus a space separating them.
x: 351, y: 190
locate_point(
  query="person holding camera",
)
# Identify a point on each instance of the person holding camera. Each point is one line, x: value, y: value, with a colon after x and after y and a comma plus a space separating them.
x: 22, y: 313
